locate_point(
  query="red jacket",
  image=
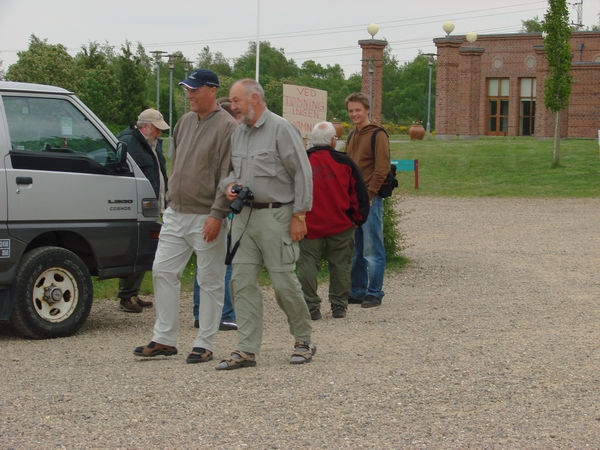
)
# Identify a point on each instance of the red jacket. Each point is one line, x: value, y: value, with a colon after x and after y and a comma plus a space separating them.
x: 340, y: 196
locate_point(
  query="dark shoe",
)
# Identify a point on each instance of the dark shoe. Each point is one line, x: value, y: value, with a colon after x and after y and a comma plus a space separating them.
x: 196, y: 323
x: 236, y: 360
x: 371, y: 301
x: 142, y: 303
x: 338, y: 311
x: 303, y: 353
x: 199, y: 355
x: 315, y: 314
x: 130, y: 305
x: 155, y: 349
x: 354, y: 301
x: 227, y: 326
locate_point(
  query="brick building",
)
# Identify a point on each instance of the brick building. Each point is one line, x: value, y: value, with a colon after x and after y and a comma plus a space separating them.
x: 496, y: 87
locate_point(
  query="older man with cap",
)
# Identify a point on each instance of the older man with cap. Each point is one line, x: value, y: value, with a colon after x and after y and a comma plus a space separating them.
x: 195, y: 220
x: 145, y: 146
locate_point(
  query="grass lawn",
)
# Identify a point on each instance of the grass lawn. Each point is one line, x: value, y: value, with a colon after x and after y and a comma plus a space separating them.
x: 501, y: 167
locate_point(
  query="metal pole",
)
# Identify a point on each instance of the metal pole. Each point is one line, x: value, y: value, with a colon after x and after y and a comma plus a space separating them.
x: 158, y: 85
x: 257, y: 39
x: 186, y: 66
x: 171, y: 66
x: 158, y: 54
x: 429, y: 101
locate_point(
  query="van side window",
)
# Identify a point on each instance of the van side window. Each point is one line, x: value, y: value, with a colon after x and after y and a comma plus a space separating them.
x: 53, y: 127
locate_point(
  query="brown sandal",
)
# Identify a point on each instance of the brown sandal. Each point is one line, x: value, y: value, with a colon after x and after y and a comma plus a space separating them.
x: 303, y: 353
x: 155, y: 349
x: 199, y: 355
x: 238, y: 359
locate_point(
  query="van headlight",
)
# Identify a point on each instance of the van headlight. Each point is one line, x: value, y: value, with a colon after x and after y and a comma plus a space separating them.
x: 150, y: 207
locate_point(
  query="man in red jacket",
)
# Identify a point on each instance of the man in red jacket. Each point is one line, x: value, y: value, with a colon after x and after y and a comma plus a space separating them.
x: 340, y: 203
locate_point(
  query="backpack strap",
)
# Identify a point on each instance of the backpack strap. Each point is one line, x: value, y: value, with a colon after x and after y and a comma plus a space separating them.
x: 374, y: 137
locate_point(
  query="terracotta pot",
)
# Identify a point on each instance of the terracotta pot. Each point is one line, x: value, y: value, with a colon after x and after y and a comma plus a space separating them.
x: 416, y: 132
x: 339, y: 128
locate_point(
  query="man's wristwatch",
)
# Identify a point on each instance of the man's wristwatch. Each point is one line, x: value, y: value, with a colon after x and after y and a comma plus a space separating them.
x: 300, y: 217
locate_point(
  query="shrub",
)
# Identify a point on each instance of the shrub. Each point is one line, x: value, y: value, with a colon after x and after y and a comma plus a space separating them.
x: 392, y: 238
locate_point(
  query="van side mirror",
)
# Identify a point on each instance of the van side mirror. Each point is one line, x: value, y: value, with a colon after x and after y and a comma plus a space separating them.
x: 121, y: 153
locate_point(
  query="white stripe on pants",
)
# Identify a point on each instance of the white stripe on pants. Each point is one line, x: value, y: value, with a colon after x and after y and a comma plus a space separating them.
x: 181, y: 234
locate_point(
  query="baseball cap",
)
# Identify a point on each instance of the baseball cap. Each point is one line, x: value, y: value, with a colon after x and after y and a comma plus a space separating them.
x: 154, y: 117
x: 201, y: 77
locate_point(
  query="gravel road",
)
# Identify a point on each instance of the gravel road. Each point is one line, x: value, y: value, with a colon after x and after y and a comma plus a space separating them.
x: 490, y: 339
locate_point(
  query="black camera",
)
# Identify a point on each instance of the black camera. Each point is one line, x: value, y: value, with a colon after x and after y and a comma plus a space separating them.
x: 244, y: 195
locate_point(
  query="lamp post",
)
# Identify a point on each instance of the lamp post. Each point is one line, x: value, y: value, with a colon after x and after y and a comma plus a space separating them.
x: 257, y: 38
x: 186, y: 67
x: 171, y: 67
x: 158, y: 57
x: 430, y: 58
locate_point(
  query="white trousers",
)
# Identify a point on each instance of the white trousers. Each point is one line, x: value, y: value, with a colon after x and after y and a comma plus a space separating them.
x: 181, y: 234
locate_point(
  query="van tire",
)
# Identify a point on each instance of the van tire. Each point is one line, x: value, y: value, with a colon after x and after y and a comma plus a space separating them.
x: 53, y: 293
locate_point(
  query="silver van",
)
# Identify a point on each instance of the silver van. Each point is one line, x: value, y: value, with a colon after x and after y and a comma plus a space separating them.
x: 72, y: 204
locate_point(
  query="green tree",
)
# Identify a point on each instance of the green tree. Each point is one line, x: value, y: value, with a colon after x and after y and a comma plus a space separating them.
x: 45, y: 64
x: 97, y: 84
x: 405, y: 101
x: 273, y: 64
x: 215, y: 62
x: 132, y: 75
x: 534, y: 25
x: 559, y: 82
x: 330, y: 79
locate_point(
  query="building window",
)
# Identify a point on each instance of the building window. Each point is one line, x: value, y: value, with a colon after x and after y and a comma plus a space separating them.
x: 527, y: 108
x: 498, y: 106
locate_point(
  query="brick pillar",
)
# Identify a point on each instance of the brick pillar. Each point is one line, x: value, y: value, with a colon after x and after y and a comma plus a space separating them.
x: 372, y: 52
x: 469, y: 79
x: 447, y: 93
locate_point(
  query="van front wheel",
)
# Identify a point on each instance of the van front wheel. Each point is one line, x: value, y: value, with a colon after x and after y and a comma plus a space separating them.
x: 53, y: 293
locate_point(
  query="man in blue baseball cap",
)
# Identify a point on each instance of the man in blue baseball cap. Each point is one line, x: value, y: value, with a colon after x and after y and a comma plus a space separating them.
x: 199, y: 78
x: 195, y: 220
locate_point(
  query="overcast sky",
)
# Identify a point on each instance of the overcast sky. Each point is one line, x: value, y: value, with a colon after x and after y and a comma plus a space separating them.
x: 326, y: 31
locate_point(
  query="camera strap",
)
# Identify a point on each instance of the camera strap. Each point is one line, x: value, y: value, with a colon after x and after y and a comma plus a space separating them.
x: 231, y: 252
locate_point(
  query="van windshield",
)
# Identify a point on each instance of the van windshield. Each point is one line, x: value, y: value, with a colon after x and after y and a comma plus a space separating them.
x: 54, y: 125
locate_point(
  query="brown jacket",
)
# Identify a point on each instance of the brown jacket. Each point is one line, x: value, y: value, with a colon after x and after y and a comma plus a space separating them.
x: 374, y: 166
x: 201, y: 159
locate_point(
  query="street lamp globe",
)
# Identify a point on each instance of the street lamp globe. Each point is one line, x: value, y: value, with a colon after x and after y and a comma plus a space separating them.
x: 448, y: 27
x: 471, y: 37
x: 373, y: 29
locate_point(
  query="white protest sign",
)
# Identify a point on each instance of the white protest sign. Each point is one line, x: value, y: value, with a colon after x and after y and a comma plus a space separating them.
x: 304, y: 107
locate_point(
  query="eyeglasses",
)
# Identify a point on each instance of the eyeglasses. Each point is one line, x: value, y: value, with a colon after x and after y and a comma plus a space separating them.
x: 188, y: 90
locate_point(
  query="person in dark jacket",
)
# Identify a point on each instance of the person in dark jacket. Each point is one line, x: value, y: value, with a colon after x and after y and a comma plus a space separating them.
x: 145, y: 147
x: 340, y: 203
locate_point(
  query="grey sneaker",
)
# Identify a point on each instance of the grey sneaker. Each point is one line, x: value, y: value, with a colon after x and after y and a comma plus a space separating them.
x: 303, y: 352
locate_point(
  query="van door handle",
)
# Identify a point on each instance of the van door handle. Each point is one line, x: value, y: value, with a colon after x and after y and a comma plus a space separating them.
x: 24, y: 180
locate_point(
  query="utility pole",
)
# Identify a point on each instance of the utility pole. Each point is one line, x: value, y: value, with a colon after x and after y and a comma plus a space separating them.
x: 578, y: 7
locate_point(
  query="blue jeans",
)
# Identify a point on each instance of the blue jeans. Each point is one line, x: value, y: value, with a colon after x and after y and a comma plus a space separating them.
x: 228, y: 315
x: 368, y: 265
